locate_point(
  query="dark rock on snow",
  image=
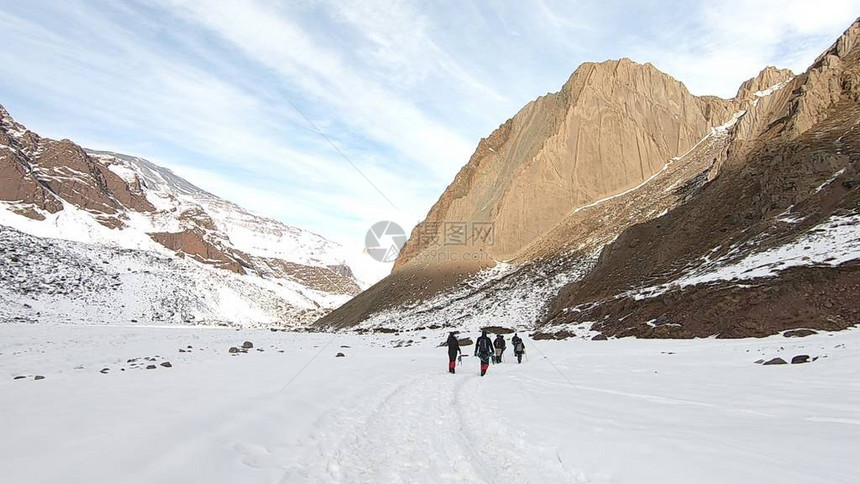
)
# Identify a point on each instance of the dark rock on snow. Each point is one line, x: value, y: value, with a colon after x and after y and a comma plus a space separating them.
x: 800, y: 359
x: 247, y: 345
x: 799, y: 333
x: 339, y: 355
x: 775, y: 361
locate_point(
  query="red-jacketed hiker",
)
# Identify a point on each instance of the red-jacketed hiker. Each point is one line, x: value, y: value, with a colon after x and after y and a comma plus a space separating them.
x: 453, y: 351
x: 484, y: 350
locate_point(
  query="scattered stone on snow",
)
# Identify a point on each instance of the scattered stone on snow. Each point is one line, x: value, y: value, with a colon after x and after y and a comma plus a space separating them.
x: 799, y: 333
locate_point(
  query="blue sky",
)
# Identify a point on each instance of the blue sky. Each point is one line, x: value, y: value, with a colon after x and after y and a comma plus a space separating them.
x: 404, y: 89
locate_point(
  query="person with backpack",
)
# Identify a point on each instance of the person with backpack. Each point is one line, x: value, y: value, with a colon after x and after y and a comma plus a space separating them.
x: 519, y: 347
x: 484, y: 350
x: 499, y: 343
x: 453, y: 351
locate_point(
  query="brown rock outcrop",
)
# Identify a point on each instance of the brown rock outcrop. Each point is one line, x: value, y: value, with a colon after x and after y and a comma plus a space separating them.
x: 769, y: 77
x: 40, y: 172
x: 18, y: 185
x: 324, y: 279
x: 194, y: 244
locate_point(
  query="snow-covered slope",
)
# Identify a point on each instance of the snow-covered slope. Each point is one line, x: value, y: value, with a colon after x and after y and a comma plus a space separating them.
x: 626, y: 411
x: 56, y: 280
x: 196, y: 257
x: 248, y: 232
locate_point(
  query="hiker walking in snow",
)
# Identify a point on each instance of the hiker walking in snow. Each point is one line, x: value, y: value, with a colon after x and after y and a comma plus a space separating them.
x: 499, y: 343
x: 484, y: 350
x: 453, y: 352
x: 519, y: 347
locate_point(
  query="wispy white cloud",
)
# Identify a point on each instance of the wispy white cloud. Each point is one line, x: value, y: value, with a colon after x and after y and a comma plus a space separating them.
x: 302, y: 61
x: 404, y: 89
x: 715, y: 49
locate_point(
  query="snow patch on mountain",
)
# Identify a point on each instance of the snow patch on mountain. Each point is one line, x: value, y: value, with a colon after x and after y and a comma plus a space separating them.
x: 831, y: 243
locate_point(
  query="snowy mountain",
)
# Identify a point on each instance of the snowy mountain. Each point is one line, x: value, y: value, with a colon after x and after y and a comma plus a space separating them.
x: 626, y: 206
x: 83, y: 229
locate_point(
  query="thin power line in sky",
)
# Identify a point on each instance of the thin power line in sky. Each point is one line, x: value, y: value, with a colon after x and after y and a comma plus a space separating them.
x: 339, y: 151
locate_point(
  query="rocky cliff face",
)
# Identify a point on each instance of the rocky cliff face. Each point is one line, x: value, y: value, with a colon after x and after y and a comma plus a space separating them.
x: 611, y: 127
x: 59, y: 190
x: 39, y: 173
x: 586, y: 188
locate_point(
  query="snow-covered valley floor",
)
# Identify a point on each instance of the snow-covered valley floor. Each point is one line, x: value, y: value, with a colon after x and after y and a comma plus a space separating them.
x: 621, y: 411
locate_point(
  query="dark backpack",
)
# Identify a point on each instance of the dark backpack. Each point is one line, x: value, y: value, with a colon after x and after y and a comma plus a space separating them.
x: 483, y: 345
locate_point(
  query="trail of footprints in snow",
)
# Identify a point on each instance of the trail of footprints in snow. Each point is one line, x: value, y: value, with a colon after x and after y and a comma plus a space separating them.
x: 411, y: 433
